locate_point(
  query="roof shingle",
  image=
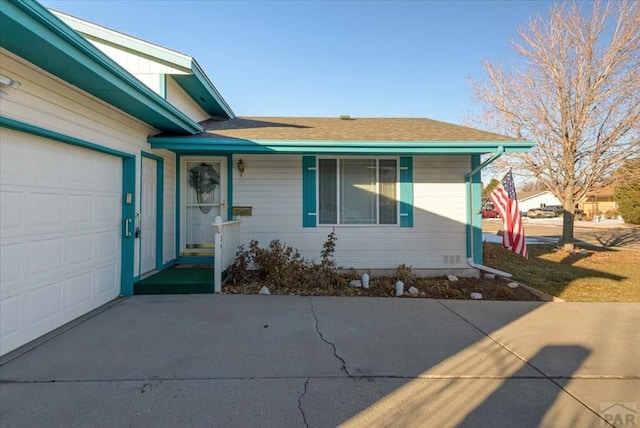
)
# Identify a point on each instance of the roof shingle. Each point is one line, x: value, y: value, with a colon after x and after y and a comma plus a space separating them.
x: 339, y: 129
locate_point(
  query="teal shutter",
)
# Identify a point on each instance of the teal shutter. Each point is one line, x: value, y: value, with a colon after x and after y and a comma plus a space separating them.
x: 406, y: 191
x: 308, y: 191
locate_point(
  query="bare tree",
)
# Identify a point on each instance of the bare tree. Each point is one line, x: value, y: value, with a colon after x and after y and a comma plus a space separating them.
x: 576, y: 93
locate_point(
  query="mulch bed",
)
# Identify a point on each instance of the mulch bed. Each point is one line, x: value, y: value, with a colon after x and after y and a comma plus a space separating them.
x: 432, y: 288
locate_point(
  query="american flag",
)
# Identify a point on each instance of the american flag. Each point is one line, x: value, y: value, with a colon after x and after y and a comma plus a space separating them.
x: 506, y: 203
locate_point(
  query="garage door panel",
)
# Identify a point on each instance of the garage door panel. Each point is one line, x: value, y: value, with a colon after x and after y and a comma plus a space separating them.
x: 61, y: 238
x: 49, y: 166
x: 80, y: 210
x: 47, y: 209
x: 108, y: 210
x: 9, y: 317
x: 12, y: 155
x: 45, y: 257
x: 108, y: 245
x: 45, y: 302
x: 80, y: 250
x: 10, y: 210
x: 11, y: 272
x: 79, y: 290
x: 105, y: 281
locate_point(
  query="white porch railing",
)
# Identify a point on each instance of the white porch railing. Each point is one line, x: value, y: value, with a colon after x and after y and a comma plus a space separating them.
x: 227, y: 238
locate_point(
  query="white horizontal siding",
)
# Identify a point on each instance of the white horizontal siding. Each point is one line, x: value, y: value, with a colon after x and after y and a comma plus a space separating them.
x: 45, y: 101
x: 147, y: 71
x: 272, y: 186
x: 183, y: 101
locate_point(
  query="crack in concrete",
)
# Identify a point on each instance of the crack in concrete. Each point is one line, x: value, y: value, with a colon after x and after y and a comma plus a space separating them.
x: 333, y: 346
x: 304, y: 417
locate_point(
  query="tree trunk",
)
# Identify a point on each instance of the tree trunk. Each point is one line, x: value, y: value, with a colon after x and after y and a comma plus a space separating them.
x: 567, y: 230
x: 568, y: 217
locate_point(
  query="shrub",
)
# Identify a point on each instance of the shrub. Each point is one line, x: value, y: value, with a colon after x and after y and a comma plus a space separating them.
x: 282, y: 266
x: 609, y: 214
x: 627, y: 192
x: 403, y: 273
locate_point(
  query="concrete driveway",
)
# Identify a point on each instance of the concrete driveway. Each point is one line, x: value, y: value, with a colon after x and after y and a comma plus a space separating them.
x: 288, y: 361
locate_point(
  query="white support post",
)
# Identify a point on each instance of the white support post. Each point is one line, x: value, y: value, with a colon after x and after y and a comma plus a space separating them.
x: 217, y: 260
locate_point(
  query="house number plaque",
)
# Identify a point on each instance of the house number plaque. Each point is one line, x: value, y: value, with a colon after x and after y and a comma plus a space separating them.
x: 242, y: 211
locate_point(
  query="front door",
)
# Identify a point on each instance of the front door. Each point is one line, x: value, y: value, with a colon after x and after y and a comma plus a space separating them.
x: 148, y: 215
x: 203, y: 199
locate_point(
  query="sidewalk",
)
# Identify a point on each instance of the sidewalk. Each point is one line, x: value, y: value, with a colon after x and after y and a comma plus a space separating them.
x: 289, y: 361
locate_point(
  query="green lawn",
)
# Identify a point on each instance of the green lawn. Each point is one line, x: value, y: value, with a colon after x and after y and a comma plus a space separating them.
x: 602, y: 275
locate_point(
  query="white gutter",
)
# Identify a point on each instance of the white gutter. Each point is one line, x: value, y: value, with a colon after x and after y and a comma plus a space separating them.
x: 499, y: 152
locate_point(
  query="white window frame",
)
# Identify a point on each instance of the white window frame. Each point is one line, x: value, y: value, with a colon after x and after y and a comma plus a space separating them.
x: 377, y: 159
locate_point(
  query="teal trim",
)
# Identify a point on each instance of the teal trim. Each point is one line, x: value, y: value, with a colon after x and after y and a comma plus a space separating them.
x: 33, y: 33
x: 309, y: 191
x: 16, y: 125
x: 229, y: 187
x: 473, y: 187
x: 178, y: 203
x: 128, y: 213
x: 159, y: 205
x: 406, y: 191
x: 163, y: 86
x: 202, y: 91
x: 211, y: 146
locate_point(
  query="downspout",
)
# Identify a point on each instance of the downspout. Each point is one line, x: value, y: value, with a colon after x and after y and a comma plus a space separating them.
x: 468, y: 182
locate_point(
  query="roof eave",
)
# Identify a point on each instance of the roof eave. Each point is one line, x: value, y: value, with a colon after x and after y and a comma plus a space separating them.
x: 203, y: 92
x: 30, y: 31
x: 337, y: 147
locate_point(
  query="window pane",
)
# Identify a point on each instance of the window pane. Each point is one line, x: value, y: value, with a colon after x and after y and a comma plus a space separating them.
x: 388, y: 200
x: 358, y: 191
x: 327, y: 190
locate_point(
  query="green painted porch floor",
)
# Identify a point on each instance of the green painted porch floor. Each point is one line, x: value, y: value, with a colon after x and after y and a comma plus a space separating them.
x: 177, y: 280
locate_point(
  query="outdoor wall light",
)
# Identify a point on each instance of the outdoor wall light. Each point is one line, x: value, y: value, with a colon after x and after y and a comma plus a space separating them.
x: 241, y: 167
x: 8, y: 82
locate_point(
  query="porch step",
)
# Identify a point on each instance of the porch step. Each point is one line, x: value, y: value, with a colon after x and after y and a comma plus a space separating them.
x: 179, y: 279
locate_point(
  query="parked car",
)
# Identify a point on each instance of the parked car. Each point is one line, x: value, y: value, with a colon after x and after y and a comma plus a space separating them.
x: 545, y: 212
x: 489, y: 211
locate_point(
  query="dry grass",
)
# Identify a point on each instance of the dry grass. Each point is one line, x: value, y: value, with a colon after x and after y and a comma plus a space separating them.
x: 601, y: 275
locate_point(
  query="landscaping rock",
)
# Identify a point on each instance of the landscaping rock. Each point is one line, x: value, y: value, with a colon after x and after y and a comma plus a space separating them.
x: 365, y: 280
x: 413, y: 291
x: 513, y: 285
x: 584, y: 252
x: 399, y: 288
x: 490, y: 275
x: 476, y: 296
x: 264, y: 290
x: 356, y: 283
x: 452, y: 278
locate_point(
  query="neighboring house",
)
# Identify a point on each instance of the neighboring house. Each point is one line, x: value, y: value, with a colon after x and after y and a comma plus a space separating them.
x: 536, y: 199
x: 104, y: 136
x: 598, y: 201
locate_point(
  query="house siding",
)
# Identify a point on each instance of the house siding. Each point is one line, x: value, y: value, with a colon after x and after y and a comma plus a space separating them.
x: 147, y: 71
x: 45, y: 101
x: 183, y: 101
x: 537, y: 201
x: 272, y: 186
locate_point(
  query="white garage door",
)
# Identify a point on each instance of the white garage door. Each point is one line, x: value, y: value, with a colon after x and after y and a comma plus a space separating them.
x: 61, y: 210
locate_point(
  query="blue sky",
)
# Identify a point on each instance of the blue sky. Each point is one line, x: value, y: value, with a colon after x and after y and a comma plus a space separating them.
x: 328, y: 58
